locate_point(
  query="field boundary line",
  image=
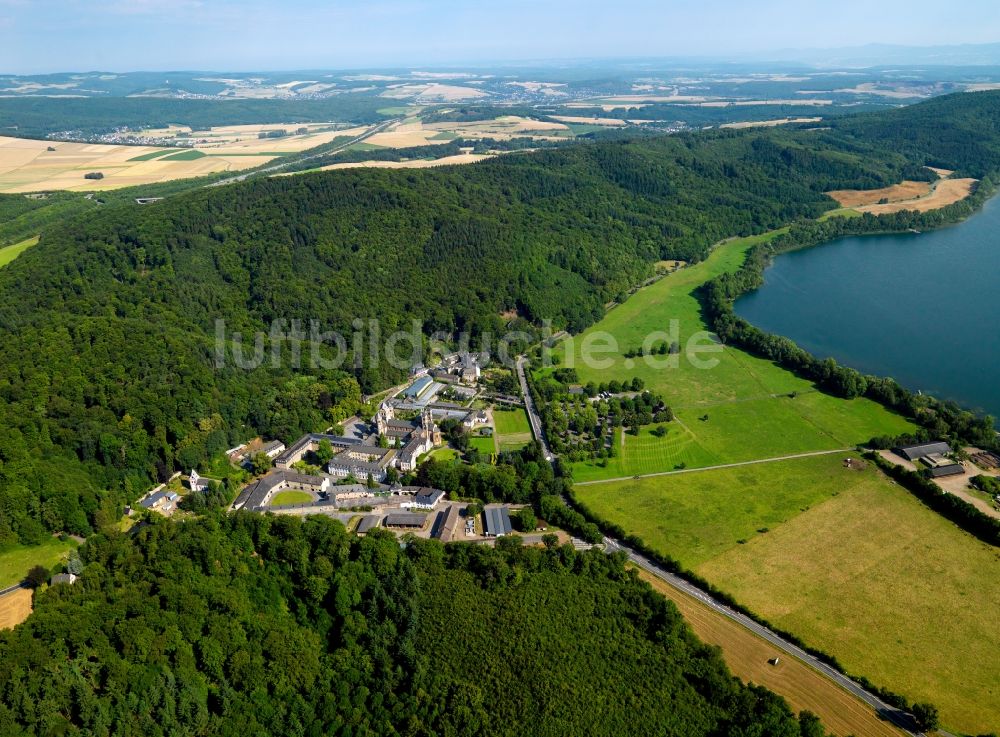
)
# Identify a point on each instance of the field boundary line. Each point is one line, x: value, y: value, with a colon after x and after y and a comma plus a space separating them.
x: 717, y: 467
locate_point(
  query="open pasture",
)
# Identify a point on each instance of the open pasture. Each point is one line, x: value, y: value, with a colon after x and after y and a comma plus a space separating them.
x: 843, y: 558
x: 737, y: 408
x: 9, y: 253
x: 893, y: 590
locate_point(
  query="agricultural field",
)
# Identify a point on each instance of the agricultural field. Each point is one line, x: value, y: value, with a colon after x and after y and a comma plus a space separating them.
x: 512, y: 428
x: 291, y: 497
x: 9, y: 253
x: 908, y: 195
x: 947, y: 192
x: 15, y: 563
x: 740, y: 408
x: 902, y: 603
x: 29, y: 166
x: 410, y: 163
x: 906, y: 190
x: 14, y: 608
x: 802, y: 687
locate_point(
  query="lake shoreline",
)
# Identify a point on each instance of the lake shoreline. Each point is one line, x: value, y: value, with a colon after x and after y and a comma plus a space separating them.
x: 797, y: 290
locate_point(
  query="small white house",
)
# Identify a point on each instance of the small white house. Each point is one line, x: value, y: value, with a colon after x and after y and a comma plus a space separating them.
x: 197, y: 482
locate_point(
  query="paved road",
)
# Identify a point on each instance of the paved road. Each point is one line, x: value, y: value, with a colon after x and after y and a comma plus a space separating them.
x: 890, y: 713
x: 717, y: 467
x: 529, y: 405
x: 899, y: 718
x: 12, y: 589
x: 296, y: 160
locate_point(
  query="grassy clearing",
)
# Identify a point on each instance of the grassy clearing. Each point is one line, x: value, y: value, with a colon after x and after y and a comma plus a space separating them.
x: 511, y: 422
x: 697, y: 516
x: 755, y: 409
x: 840, y: 212
x: 482, y: 444
x: 9, y: 253
x: 893, y: 590
x: 219, y: 467
x: 291, y: 497
x: 512, y: 429
x: 747, y: 656
x: 15, y: 563
x: 442, y: 454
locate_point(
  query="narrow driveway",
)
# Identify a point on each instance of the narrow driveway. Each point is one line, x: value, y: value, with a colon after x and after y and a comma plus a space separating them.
x: 717, y: 467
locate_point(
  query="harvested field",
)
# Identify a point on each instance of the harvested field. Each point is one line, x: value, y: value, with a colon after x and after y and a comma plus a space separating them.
x: 433, y: 92
x: 589, y: 121
x: 412, y: 163
x: 801, y: 686
x: 769, y: 123
x: 940, y: 172
x: 947, y: 192
x: 29, y: 166
x: 14, y: 608
x: 906, y: 190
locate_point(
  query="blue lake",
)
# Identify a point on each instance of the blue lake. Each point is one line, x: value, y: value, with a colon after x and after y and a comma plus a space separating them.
x: 922, y: 308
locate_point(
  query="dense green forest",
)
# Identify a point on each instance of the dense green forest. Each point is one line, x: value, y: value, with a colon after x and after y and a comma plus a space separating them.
x: 255, y: 624
x: 108, y: 325
x: 37, y: 117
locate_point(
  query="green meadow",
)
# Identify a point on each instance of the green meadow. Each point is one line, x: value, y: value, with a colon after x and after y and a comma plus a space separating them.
x: 736, y: 408
x: 15, y: 563
x: 9, y: 253
x: 512, y: 428
x: 846, y: 560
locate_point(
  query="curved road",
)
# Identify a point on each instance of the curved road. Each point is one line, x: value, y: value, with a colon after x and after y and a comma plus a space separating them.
x: 899, y: 718
x: 295, y: 160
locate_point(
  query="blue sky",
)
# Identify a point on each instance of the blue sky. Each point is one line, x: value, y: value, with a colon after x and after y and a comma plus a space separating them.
x: 236, y: 35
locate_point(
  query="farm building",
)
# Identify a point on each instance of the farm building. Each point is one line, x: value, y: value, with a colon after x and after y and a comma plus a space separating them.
x: 947, y: 469
x: 368, y: 523
x: 916, y: 452
x: 446, y: 524
x: 405, y: 520
x: 497, y: 521
x: 418, y: 387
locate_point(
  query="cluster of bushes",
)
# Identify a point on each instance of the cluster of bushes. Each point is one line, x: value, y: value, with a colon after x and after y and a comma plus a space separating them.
x: 657, y: 349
